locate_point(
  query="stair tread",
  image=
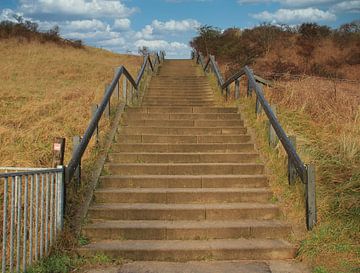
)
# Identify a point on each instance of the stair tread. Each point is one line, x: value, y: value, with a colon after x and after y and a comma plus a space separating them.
x: 177, y: 224
x: 183, y: 190
x: 188, y: 176
x: 172, y: 206
x: 218, y: 244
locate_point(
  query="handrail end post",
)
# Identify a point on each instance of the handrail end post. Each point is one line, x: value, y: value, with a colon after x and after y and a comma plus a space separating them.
x: 311, y: 213
x: 237, y: 89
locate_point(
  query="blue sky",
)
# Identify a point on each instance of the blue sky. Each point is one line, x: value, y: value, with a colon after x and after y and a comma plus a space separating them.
x: 125, y: 25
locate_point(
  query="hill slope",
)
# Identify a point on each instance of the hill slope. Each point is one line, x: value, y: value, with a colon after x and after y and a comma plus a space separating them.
x: 46, y: 91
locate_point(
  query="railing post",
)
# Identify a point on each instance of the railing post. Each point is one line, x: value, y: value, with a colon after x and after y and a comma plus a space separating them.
x: 60, y: 199
x: 94, y: 108
x: 311, y: 214
x: 77, y: 174
x: 273, y: 139
x: 117, y: 87
x: 107, y: 109
x: 258, y: 108
x: 249, y: 87
x: 292, y: 174
x: 227, y: 92
x: 237, y: 89
x: 124, y: 90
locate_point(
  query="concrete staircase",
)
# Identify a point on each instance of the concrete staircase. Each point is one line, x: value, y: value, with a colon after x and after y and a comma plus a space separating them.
x: 184, y: 181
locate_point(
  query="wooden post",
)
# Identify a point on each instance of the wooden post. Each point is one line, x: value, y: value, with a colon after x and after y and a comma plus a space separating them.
x: 227, y: 92
x: 311, y: 214
x: 249, y: 87
x: 117, y: 87
x: 124, y: 90
x: 107, y: 109
x: 237, y: 89
x: 58, y: 152
x: 94, y: 108
x: 258, y: 107
x: 292, y: 174
x: 77, y: 174
x: 273, y: 139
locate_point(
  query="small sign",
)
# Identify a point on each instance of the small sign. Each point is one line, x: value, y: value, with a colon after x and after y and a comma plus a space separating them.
x: 57, y: 146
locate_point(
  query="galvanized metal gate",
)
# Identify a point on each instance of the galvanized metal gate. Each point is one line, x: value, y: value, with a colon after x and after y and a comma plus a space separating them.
x: 33, y: 209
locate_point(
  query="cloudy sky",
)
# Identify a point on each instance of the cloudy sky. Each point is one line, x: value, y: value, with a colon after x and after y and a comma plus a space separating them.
x: 126, y: 25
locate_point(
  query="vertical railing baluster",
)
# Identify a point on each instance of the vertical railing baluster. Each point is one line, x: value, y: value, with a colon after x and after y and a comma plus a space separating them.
x: 51, y: 207
x: 18, y: 228
x: 36, y: 232
x: 42, y: 217
x: 12, y: 222
x: 26, y: 186
x: 31, y: 220
x: 47, y: 214
x: 5, y: 209
x: 60, y: 200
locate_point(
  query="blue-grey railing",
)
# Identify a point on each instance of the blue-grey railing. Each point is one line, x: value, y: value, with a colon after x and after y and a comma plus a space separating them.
x: 33, y: 209
x: 149, y: 64
x: 296, y: 167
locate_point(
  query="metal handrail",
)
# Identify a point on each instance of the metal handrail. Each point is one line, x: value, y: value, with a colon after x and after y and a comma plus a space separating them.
x: 78, y: 153
x: 305, y: 172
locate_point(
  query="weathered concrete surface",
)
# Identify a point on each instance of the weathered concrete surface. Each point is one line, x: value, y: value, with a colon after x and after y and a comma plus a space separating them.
x: 207, y: 267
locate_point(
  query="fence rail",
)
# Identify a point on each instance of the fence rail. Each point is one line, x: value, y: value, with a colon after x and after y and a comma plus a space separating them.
x: 33, y: 210
x: 296, y: 167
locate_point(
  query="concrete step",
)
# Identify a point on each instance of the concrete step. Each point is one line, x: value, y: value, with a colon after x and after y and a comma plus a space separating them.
x: 185, y: 250
x: 183, y: 181
x: 186, y: 230
x: 181, y: 116
x: 183, y: 157
x: 184, y: 168
x: 138, y: 130
x: 184, y: 123
x: 182, y: 139
x: 188, y: 109
x: 182, y: 195
x: 183, y: 148
x: 208, y: 104
x: 153, y: 211
x: 183, y: 101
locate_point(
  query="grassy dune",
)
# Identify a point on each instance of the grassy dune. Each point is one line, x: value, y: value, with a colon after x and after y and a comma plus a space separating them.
x: 46, y: 91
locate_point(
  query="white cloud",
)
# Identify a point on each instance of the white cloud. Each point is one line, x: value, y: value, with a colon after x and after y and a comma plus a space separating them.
x: 295, y: 15
x: 293, y: 3
x: 8, y: 15
x: 346, y: 6
x: 173, y: 25
x: 85, y: 25
x: 161, y: 45
x: 145, y: 33
x: 87, y: 9
x: 122, y: 24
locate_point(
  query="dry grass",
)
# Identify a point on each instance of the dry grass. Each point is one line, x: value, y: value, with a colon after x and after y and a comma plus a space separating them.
x: 324, y: 115
x: 327, y: 126
x: 46, y: 91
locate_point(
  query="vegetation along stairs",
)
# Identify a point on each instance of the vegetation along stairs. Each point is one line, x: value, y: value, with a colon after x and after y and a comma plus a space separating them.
x: 183, y: 181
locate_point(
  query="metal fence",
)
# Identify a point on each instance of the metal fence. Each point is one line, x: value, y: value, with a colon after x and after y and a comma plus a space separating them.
x: 296, y: 167
x: 32, y: 210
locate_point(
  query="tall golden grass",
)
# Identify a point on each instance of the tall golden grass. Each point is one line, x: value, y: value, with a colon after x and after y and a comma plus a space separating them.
x: 46, y: 91
x: 325, y: 117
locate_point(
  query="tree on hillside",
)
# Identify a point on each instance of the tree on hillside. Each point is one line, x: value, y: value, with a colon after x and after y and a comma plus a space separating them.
x: 206, y: 36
